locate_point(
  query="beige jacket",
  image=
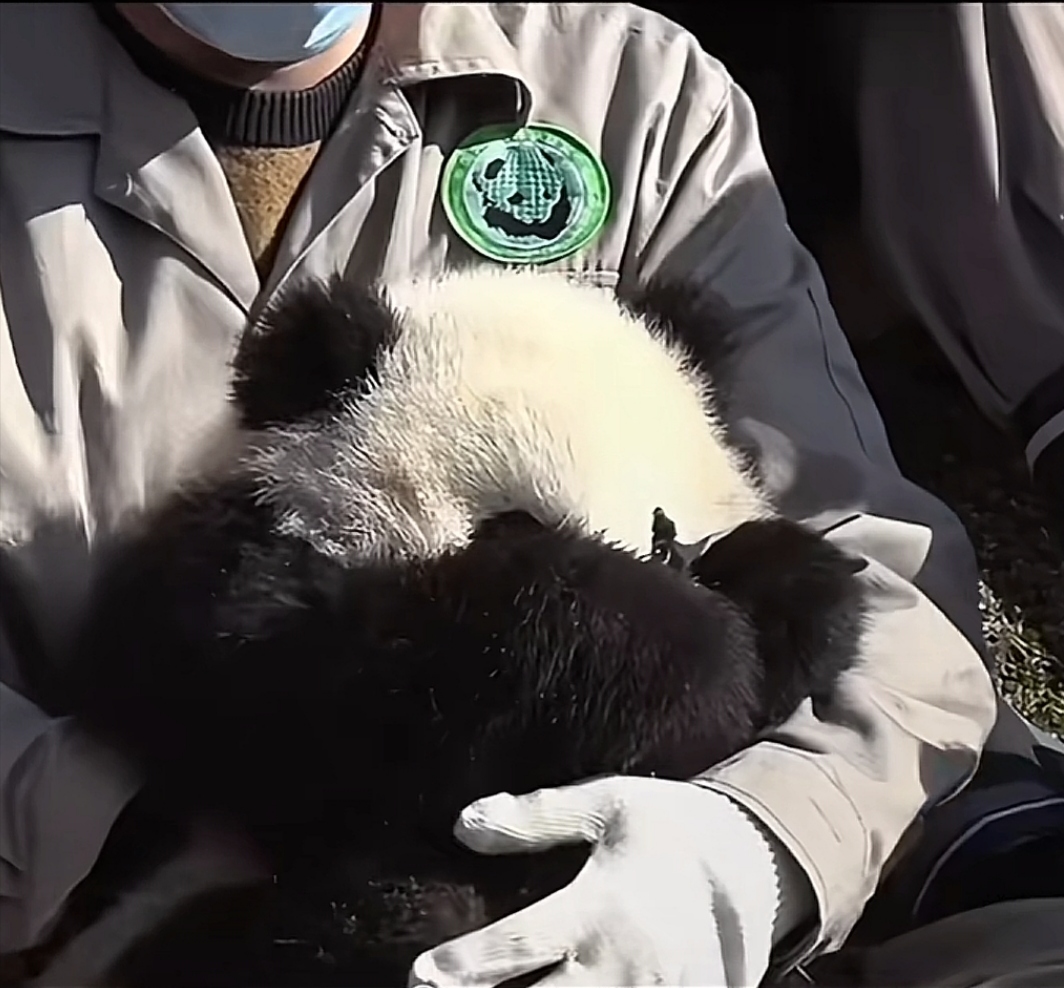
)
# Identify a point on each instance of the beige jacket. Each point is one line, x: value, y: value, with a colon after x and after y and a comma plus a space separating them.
x: 126, y: 281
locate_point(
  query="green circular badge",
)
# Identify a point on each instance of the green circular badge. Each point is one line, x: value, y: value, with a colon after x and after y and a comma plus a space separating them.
x: 527, y: 195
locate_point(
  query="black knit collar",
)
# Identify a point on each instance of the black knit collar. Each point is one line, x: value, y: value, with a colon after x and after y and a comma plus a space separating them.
x: 229, y: 116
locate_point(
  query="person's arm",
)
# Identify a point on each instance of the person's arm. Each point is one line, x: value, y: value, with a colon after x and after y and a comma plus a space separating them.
x: 60, y: 792
x: 839, y: 785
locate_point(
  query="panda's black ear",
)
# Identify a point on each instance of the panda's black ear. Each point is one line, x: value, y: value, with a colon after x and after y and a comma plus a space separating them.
x: 694, y: 319
x: 317, y: 343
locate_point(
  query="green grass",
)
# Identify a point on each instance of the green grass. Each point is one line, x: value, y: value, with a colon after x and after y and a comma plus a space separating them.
x: 1027, y: 673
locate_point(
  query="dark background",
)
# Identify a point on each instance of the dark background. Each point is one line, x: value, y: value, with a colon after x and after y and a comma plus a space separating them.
x: 797, y: 61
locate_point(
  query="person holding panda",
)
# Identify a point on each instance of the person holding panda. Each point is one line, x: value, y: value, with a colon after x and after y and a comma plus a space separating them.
x: 168, y: 168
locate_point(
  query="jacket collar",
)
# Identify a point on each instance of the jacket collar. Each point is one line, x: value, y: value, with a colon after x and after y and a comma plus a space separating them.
x: 426, y: 41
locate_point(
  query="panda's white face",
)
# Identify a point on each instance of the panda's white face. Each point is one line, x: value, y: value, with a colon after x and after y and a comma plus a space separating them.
x: 508, y: 391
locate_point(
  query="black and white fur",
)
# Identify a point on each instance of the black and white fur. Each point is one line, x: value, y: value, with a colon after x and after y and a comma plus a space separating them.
x: 430, y: 579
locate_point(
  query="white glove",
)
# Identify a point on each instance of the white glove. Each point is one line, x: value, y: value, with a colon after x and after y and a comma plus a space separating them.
x: 682, y: 887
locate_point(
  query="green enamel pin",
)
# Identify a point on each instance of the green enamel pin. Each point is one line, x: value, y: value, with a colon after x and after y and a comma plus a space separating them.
x: 525, y: 195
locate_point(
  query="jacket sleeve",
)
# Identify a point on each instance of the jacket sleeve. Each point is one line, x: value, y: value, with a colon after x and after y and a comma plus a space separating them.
x: 837, y: 786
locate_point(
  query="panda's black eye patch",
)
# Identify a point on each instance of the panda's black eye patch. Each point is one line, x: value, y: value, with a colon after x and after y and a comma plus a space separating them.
x: 313, y: 347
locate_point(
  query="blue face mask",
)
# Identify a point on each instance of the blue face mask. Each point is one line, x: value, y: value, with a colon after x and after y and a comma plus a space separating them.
x: 284, y: 33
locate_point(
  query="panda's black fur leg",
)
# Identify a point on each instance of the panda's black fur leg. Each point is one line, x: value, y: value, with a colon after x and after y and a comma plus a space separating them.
x: 609, y: 663
x: 215, y: 656
x: 801, y: 594
x: 360, y: 919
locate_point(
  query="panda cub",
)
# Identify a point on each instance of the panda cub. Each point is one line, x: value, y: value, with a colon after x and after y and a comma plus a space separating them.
x: 459, y: 555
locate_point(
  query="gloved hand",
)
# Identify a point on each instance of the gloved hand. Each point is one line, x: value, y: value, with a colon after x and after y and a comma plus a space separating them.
x: 682, y: 887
